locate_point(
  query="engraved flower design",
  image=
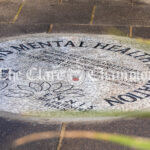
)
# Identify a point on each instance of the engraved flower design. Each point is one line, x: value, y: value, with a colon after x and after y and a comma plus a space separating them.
x: 42, y: 90
x: 3, y: 85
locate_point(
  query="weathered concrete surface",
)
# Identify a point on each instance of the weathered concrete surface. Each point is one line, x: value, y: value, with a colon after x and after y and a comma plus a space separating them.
x: 72, y: 10
x: 100, y: 2
x: 12, y: 130
x: 8, y: 9
x: 136, y: 127
x: 75, y: 16
x: 142, y: 32
x: 122, y: 15
x: 94, y: 29
x: 140, y: 2
x: 80, y: 13
x: 7, y: 30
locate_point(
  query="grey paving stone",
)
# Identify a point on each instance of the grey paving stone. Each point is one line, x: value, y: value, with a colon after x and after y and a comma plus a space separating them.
x: 94, y: 29
x: 7, y: 30
x: 8, y: 9
x: 100, y: 2
x: 42, y: 13
x: 11, y: 130
x: 139, y: 15
x: 122, y: 15
x: 142, y: 32
x: 84, y: 144
x: 141, y: 2
x: 137, y: 127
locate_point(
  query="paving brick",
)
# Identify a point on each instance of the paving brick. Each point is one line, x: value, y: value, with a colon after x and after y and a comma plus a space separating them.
x: 42, y: 13
x: 100, y: 2
x: 7, y: 30
x: 84, y: 144
x: 117, y: 15
x: 136, y: 127
x: 94, y: 29
x: 133, y: 127
x: 12, y: 130
x: 141, y: 2
x: 8, y: 9
x: 142, y: 32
